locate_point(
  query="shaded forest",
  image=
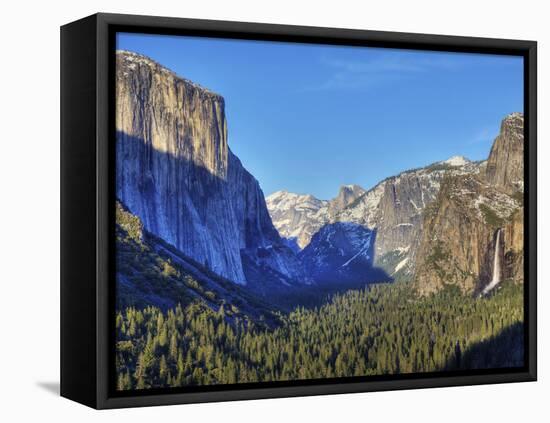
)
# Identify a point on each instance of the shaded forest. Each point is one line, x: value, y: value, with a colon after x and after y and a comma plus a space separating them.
x: 382, y: 329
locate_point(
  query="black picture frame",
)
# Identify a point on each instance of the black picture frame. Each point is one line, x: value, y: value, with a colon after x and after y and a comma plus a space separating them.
x: 87, y: 211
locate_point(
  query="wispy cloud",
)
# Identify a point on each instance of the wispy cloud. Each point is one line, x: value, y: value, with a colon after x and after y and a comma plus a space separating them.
x: 389, y: 67
x: 484, y: 135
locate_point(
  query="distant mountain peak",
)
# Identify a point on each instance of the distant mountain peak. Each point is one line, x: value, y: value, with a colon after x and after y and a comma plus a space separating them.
x: 513, y: 122
x: 456, y: 161
x: 291, y: 212
x: 284, y: 195
x: 278, y: 194
x: 351, y: 187
x: 346, y: 195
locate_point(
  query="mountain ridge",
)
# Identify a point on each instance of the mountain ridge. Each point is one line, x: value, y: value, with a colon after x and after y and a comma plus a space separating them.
x: 393, y: 207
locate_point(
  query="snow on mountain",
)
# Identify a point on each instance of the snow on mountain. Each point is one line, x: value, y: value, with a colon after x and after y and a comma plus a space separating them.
x: 297, y: 217
x: 456, y: 161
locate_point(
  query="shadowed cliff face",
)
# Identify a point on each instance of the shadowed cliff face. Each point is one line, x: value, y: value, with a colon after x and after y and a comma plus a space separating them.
x: 177, y: 174
x: 342, y: 252
x: 150, y: 272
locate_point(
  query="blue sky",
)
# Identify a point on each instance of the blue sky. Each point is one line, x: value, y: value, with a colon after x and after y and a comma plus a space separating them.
x: 309, y: 118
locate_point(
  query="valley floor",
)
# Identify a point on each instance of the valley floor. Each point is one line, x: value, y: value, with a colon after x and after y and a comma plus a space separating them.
x: 383, y: 329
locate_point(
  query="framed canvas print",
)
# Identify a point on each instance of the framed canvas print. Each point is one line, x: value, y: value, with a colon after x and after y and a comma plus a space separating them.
x: 255, y: 211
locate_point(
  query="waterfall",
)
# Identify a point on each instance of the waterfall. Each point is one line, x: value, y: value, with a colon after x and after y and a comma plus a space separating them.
x: 496, y: 266
x: 496, y: 262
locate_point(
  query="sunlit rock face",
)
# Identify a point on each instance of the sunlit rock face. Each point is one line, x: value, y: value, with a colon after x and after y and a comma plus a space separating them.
x: 176, y: 172
x: 297, y: 217
x: 505, y: 163
x: 469, y: 212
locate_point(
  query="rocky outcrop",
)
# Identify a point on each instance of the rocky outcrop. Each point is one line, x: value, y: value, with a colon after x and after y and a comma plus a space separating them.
x: 460, y: 246
x: 513, y: 263
x: 470, y: 210
x: 176, y: 172
x: 505, y: 163
x: 346, y: 196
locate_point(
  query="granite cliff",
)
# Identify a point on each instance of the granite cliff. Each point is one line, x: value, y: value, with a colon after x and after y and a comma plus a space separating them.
x: 176, y: 173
